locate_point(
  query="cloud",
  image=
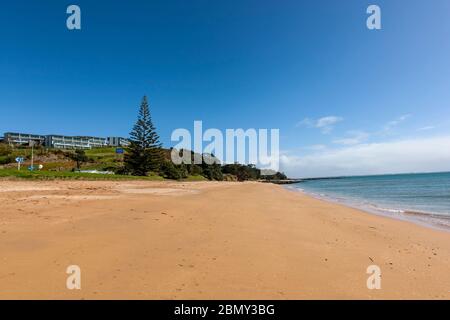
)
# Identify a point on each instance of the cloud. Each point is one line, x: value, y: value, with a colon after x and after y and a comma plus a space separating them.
x: 327, y: 121
x: 426, y: 128
x: 352, y: 138
x: 391, y: 124
x: 325, y: 124
x: 404, y: 156
x: 317, y: 147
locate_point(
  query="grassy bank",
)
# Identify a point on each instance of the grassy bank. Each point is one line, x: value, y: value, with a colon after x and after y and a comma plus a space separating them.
x: 50, y: 175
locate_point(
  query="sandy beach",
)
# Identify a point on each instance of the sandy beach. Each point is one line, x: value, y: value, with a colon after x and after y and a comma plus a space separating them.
x: 207, y: 240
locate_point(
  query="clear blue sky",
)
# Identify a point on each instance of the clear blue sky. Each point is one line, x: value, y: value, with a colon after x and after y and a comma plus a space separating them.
x: 232, y: 64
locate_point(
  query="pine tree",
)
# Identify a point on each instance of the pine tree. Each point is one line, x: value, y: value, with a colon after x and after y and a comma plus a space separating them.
x: 145, y: 152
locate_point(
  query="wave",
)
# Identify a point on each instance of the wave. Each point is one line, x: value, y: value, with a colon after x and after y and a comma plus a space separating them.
x: 391, y: 210
x: 430, y: 219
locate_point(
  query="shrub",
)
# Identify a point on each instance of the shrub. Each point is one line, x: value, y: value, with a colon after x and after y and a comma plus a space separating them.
x: 6, y: 159
x: 5, y: 150
x: 169, y: 171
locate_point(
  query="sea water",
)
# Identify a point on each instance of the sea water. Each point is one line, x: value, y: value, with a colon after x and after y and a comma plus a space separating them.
x: 422, y: 197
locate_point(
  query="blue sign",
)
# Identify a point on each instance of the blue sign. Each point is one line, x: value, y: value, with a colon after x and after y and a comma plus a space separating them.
x: 19, y: 160
x: 119, y: 151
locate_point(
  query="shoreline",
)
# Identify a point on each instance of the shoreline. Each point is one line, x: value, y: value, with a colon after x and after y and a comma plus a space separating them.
x: 430, y: 220
x: 207, y: 240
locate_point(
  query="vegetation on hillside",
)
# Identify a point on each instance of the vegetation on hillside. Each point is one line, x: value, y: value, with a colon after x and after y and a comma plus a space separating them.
x: 144, y: 158
x: 58, y: 163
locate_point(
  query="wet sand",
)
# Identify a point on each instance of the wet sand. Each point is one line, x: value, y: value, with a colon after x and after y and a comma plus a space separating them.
x: 206, y: 240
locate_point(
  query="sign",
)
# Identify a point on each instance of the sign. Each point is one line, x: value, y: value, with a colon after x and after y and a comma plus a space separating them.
x: 19, y: 160
x: 119, y: 150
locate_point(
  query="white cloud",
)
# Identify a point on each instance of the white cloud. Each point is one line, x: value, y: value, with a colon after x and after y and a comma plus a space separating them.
x: 317, y: 147
x: 391, y: 124
x: 352, y: 138
x: 325, y: 124
x: 327, y: 121
x: 405, y: 156
x: 426, y: 128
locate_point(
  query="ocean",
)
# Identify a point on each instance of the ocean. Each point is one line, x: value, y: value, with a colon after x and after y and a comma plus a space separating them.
x: 423, y: 198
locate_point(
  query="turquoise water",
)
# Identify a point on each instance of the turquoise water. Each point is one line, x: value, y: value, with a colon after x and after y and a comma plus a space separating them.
x: 421, y: 197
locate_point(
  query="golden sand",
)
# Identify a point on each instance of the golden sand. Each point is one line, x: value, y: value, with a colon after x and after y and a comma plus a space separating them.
x: 206, y: 240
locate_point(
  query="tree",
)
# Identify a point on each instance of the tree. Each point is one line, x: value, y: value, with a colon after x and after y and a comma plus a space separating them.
x: 79, y: 156
x: 170, y: 171
x: 276, y: 176
x: 243, y: 174
x: 144, y: 153
x: 211, y: 167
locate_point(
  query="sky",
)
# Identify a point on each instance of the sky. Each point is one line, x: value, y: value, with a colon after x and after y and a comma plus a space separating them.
x: 347, y: 100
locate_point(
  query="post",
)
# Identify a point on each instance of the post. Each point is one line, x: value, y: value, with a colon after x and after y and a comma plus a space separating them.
x: 32, y: 156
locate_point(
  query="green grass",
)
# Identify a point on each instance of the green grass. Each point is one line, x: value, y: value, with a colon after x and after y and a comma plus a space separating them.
x: 101, y: 151
x: 51, y: 175
x: 103, y: 159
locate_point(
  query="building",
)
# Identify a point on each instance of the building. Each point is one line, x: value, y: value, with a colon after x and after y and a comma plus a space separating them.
x: 69, y: 142
x: 118, y: 142
x: 23, y: 138
x: 65, y: 142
